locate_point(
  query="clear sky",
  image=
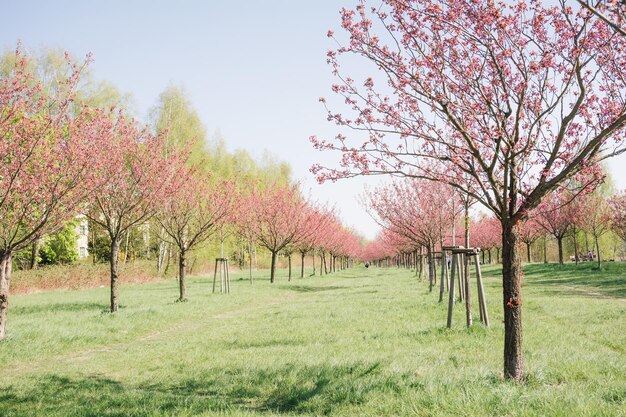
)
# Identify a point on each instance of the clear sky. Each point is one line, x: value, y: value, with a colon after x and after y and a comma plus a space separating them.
x: 254, y: 70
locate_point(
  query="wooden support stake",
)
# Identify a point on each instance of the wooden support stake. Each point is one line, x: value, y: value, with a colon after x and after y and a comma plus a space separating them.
x: 444, y: 276
x: 222, y: 271
x: 451, y: 295
x: 468, y: 298
x: 481, y: 292
x: 459, y: 274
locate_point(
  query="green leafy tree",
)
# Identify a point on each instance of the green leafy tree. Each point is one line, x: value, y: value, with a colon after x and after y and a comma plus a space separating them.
x: 175, y: 115
x: 61, y: 247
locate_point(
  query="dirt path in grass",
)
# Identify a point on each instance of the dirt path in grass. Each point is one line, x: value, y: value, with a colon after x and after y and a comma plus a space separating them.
x: 182, y: 326
x: 593, y: 294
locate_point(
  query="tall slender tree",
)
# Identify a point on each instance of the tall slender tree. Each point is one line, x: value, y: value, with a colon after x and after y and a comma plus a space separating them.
x: 193, y: 211
x: 134, y: 174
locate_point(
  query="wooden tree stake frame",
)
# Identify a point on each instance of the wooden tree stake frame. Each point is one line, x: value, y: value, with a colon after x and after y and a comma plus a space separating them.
x: 221, y: 271
x: 458, y: 252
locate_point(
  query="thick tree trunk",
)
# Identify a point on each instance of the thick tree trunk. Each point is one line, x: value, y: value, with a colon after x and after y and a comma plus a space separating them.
x: 511, y: 284
x: 273, y: 267
x: 302, y: 258
x: 5, y: 281
x: 182, y: 276
x: 115, y: 254
x: 559, y: 241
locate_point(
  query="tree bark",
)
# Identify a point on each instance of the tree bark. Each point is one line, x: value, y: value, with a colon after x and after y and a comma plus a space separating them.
x: 5, y: 281
x: 34, y: 251
x: 250, y: 260
x: 115, y: 253
x: 575, y: 244
x: 466, y: 264
x: 598, y: 251
x: 273, y: 267
x: 559, y: 241
x: 431, y: 268
x: 302, y: 258
x: 126, y: 248
x: 289, y: 262
x: 528, y: 252
x: 182, y: 276
x: 511, y: 277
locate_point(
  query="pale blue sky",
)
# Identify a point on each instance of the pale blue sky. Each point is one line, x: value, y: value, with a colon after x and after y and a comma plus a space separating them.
x: 254, y: 70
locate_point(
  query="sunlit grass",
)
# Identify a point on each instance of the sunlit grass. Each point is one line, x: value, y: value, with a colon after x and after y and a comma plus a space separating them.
x: 359, y: 342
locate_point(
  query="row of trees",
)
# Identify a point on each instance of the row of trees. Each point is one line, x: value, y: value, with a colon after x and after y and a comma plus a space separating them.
x: 505, y: 102
x: 62, y: 157
x: 422, y: 216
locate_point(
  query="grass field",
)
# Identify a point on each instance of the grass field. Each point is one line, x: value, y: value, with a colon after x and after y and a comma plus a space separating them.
x: 363, y: 342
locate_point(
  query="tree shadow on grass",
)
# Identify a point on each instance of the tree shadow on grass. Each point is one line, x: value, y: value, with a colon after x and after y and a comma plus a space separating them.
x: 579, y: 280
x: 292, y: 389
x: 309, y: 288
x: 58, y: 307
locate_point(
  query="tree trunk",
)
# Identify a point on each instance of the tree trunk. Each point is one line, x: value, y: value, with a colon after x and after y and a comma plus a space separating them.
x: 302, y: 258
x: 250, y: 259
x: 126, y: 249
x: 528, y: 252
x: 511, y: 277
x: 598, y: 251
x: 431, y: 270
x: 92, y: 231
x: 273, y: 267
x: 545, y: 249
x: 115, y: 254
x: 169, y: 258
x: 5, y: 281
x: 575, y: 244
x: 313, y: 260
x: 182, y: 277
x: 559, y: 241
x: 160, y: 257
x: 289, y: 261
x: 466, y: 264
x: 34, y: 251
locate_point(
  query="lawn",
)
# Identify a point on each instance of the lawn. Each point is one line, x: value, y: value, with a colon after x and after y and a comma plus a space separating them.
x: 362, y: 342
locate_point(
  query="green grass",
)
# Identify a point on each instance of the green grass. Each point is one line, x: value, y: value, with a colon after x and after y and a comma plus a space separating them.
x: 356, y: 343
